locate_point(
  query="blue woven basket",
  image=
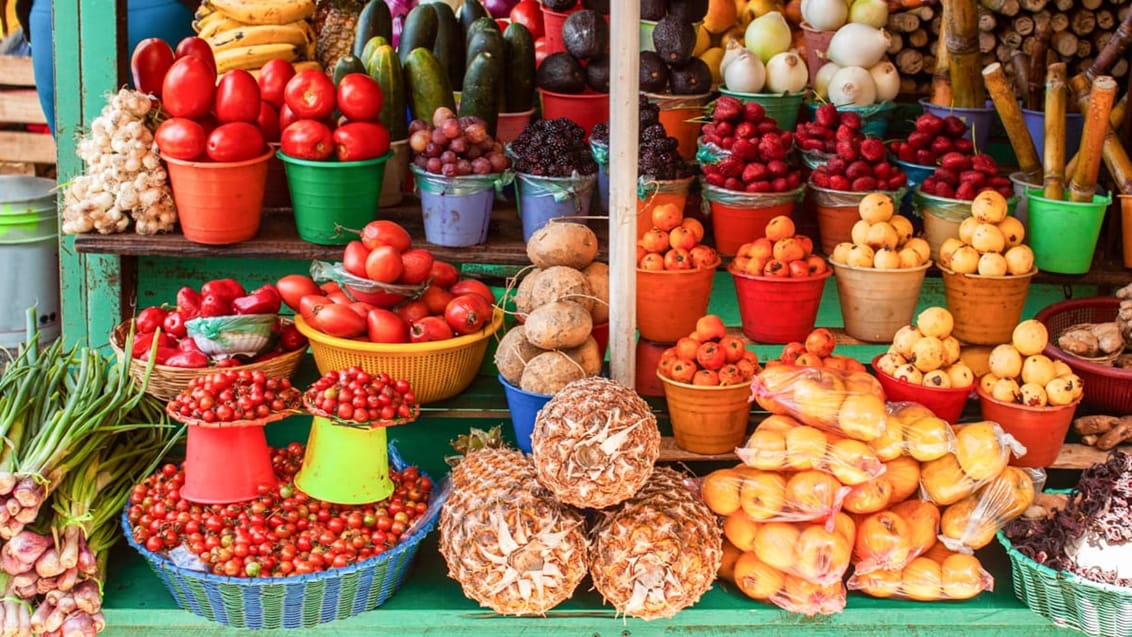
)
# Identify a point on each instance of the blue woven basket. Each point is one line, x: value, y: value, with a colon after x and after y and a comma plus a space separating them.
x: 298, y: 601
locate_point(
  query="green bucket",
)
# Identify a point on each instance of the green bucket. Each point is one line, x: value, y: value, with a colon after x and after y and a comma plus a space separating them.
x: 345, y: 465
x: 330, y: 198
x: 782, y: 107
x: 1063, y: 234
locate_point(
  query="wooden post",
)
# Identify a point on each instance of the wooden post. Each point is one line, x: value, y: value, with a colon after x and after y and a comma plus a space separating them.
x: 1054, y: 161
x: 1038, y: 65
x: 1006, y: 103
x: 1084, y: 181
x: 961, y: 24
x: 1021, y: 66
x: 1001, y: 7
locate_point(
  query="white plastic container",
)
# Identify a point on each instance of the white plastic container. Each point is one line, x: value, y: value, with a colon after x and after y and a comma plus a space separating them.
x: 29, y: 258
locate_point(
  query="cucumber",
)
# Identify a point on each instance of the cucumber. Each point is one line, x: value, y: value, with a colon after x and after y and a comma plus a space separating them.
x: 449, y: 45
x: 374, y: 20
x: 419, y: 30
x: 347, y: 64
x: 428, y: 85
x: 471, y: 11
x: 368, y: 50
x: 485, y: 36
x: 479, y: 95
x: 387, y: 71
x: 519, y: 81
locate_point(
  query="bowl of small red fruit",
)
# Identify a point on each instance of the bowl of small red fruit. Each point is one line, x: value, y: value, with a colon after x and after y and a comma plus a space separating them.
x: 356, y: 398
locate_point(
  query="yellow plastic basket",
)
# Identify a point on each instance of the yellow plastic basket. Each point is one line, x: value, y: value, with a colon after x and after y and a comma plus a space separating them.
x: 436, y: 370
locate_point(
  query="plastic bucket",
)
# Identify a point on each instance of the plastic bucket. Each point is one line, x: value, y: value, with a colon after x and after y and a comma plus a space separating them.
x: 544, y: 198
x: 584, y: 109
x: 986, y: 308
x: 1022, y: 208
x: 669, y: 302
x: 782, y: 107
x: 647, y: 27
x: 552, y: 22
x: 680, y: 115
x: 345, y: 465
x: 874, y: 118
x: 275, y: 192
x: 600, y: 332
x: 226, y: 464
x: 456, y: 210
x: 29, y: 253
x: 778, y: 309
x: 837, y: 211
x: 1040, y: 429
x: 648, y: 356
x: 1126, y: 228
x: 651, y: 194
x: 1074, y: 127
x: 942, y: 216
x: 876, y: 303
x: 332, y: 197
x: 947, y: 403
x: 1064, y: 234
x: 741, y: 217
x: 817, y: 43
x: 978, y: 120
x: 916, y: 174
x: 524, y: 407
x: 509, y: 125
x: 219, y: 202
x: 396, y: 171
x: 600, y: 153
x: 707, y: 420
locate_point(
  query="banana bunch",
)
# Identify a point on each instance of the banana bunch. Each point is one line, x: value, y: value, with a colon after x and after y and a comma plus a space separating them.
x: 246, y: 34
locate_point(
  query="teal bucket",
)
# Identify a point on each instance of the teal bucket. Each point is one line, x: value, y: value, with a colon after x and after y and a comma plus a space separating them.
x: 456, y: 210
x: 331, y: 198
x: 782, y: 107
x: 1063, y: 234
x: 29, y: 246
x: 600, y: 153
x: 544, y: 198
x: 524, y: 407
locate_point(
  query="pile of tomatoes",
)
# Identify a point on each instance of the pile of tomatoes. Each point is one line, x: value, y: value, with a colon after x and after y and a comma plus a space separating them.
x: 354, y: 394
x: 281, y: 532
x: 321, y: 121
x: 228, y: 395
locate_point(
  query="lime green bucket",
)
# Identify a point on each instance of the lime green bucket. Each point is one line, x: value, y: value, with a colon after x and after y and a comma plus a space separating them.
x: 345, y: 465
x: 782, y: 107
x: 29, y: 254
x: 330, y: 198
x: 1063, y: 234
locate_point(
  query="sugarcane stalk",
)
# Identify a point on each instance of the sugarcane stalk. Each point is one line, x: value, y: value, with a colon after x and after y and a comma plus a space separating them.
x: 1114, y: 119
x: 1084, y: 181
x: 961, y: 20
x: 1038, y: 64
x: 1116, y: 158
x: 1054, y: 161
x: 941, y: 76
x: 1006, y: 103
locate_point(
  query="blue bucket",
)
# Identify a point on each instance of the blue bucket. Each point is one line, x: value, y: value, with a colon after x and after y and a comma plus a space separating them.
x: 600, y: 153
x: 874, y: 118
x: 456, y: 210
x: 524, y: 407
x: 916, y: 173
x: 978, y: 120
x: 544, y: 198
x: 1036, y: 124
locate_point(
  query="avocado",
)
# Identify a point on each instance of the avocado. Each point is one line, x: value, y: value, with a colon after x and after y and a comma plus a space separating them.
x: 561, y: 6
x: 653, y: 9
x: 674, y: 40
x: 688, y: 11
x: 601, y: 6
x: 597, y: 74
x: 654, y: 72
x: 586, y: 34
x: 692, y: 78
x: 561, y: 73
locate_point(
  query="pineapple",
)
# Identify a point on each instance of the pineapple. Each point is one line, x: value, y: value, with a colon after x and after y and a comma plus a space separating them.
x: 657, y: 553
x: 594, y: 443
x: 334, y: 24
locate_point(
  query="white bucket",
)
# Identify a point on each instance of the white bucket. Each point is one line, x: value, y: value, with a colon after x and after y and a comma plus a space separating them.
x: 29, y: 258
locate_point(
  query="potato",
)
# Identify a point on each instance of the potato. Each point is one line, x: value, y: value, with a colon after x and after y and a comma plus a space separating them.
x: 522, y: 292
x: 570, y: 244
x: 558, y: 325
x: 550, y: 371
x: 597, y: 273
x: 512, y: 354
x: 588, y: 355
x: 561, y: 283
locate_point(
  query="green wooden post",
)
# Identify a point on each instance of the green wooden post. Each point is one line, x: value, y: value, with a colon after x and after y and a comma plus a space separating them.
x: 86, y: 68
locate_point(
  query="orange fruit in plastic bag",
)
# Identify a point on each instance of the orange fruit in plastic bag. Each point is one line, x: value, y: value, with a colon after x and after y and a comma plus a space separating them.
x: 904, y: 474
x: 756, y: 579
x: 879, y: 583
x: 776, y: 544
x: 883, y: 541
x: 812, y: 494
x: 961, y: 576
x: 921, y: 580
x: 978, y: 450
x: 944, y: 480
x: 720, y: 491
x: 740, y: 530
x: 762, y: 494
x: 869, y: 497
x: 731, y: 554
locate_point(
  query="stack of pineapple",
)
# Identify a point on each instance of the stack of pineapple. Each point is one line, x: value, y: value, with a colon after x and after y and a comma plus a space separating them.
x: 512, y: 531
x: 246, y: 34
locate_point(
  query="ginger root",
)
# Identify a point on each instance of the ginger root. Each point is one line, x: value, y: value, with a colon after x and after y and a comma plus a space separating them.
x: 1104, y: 432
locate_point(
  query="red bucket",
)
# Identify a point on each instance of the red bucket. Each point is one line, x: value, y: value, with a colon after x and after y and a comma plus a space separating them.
x: 600, y: 332
x: 738, y: 217
x: 945, y: 403
x: 226, y: 464
x: 648, y: 359
x: 778, y: 309
x: 552, y: 22
x: 1041, y: 429
x: 584, y: 109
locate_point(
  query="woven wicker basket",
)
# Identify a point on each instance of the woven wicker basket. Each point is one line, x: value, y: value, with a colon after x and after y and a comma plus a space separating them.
x: 166, y: 382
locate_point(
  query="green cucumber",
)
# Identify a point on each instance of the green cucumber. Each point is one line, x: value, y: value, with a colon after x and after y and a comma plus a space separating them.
x: 374, y: 20
x: 368, y: 51
x: 449, y: 45
x: 471, y: 11
x: 519, y: 81
x: 479, y: 95
x: 347, y: 64
x: 485, y: 36
x: 387, y: 72
x: 419, y: 30
x: 428, y: 85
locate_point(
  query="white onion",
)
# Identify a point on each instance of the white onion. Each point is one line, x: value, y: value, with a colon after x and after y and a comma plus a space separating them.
x: 852, y: 86
x: 745, y: 74
x: 887, y: 80
x: 822, y: 78
x: 858, y: 45
x: 768, y: 35
x: 825, y: 15
x: 871, y: 12
x: 786, y: 73
x: 730, y: 52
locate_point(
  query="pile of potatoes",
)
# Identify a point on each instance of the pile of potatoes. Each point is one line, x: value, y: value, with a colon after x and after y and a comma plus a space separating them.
x: 559, y: 301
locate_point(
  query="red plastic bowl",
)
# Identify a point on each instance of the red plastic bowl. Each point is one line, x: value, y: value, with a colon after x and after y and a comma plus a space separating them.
x: 946, y: 403
x: 1107, y: 388
x: 1041, y: 429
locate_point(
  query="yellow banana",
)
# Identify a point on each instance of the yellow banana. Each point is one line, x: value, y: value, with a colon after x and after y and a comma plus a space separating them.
x: 215, y: 23
x: 259, y: 34
x: 307, y: 64
x: 265, y: 11
x: 254, y: 57
x: 204, y: 9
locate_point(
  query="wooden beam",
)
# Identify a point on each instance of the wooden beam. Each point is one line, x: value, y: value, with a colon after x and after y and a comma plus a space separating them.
x: 21, y: 106
x: 27, y: 147
x: 16, y: 70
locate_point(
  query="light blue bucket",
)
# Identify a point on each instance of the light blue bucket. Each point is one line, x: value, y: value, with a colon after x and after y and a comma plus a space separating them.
x: 457, y: 210
x: 524, y: 407
x: 978, y: 120
x: 29, y: 246
x: 544, y: 198
x: 600, y: 153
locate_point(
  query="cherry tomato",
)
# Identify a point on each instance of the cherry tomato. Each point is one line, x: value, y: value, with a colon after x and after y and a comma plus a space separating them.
x: 308, y: 139
x: 237, y: 97
x: 354, y: 257
x: 383, y: 264
x: 310, y: 94
x: 199, y: 48
x: 467, y: 313
x: 294, y: 287
x: 149, y: 62
x: 385, y: 233
x: 473, y: 286
x: 188, y: 88
x: 383, y: 326
x: 416, y: 266
x: 273, y: 78
x: 359, y: 141
x: 235, y: 141
x: 337, y: 320
x: 268, y: 122
x: 180, y: 138
x: 529, y: 14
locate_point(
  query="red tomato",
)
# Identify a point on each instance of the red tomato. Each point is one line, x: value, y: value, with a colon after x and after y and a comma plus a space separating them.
x: 529, y: 14
x: 309, y: 302
x: 443, y: 274
x: 467, y: 313
x: 208, y: 123
x: 180, y: 138
x: 412, y: 311
x: 199, y: 48
x: 430, y: 328
x: 308, y: 139
x: 273, y: 78
x: 359, y: 97
x: 268, y: 122
x: 436, y: 298
x: 294, y: 287
x: 416, y: 264
x: 310, y: 93
x: 236, y: 141
x: 338, y: 320
x: 286, y: 117
x: 149, y: 62
x: 354, y: 258
x: 330, y: 286
x: 339, y: 298
x: 359, y: 141
x: 237, y: 97
x: 362, y: 308
x: 188, y: 88
x: 383, y: 264
x: 386, y: 233
x: 473, y: 286
x: 383, y: 326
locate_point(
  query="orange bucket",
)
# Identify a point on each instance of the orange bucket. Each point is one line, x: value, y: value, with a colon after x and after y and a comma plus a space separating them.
x: 584, y: 109
x: 986, y: 308
x: 219, y: 202
x: 226, y: 464
x: 741, y: 217
x: 648, y: 358
x: 837, y: 211
x: 778, y: 309
x: 669, y: 302
x: 1041, y: 429
x: 1126, y: 228
x: 707, y: 419
x: 680, y: 115
x: 651, y: 194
